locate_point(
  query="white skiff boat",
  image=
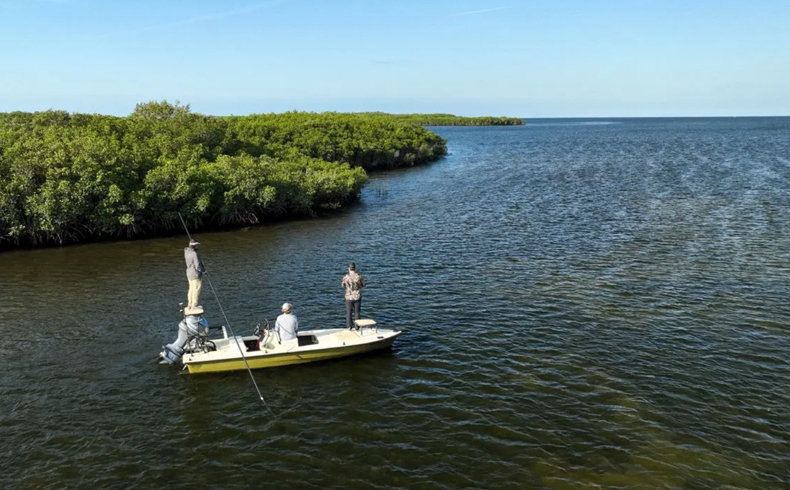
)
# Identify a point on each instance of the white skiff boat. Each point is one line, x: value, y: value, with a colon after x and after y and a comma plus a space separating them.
x: 264, y: 349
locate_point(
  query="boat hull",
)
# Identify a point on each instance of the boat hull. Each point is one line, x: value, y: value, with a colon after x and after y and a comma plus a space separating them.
x: 330, y: 344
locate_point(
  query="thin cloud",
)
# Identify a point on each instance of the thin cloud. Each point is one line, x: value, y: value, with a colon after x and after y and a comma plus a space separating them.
x: 210, y: 16
x: 11, y: 5
x: 383, y: 61
x: 477, y: 12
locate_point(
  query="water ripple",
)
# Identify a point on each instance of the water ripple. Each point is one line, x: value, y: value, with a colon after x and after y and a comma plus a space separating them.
x: 582, y: 304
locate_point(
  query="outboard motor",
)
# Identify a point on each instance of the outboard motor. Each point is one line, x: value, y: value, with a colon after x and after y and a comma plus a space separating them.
x: 190, y: 327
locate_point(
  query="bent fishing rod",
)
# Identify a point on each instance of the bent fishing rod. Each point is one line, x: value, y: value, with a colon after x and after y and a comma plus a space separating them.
x: 222, y: 310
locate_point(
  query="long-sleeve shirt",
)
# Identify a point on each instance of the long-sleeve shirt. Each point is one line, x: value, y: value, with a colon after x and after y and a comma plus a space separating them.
x: 194, y: 264
x: 286, y: 326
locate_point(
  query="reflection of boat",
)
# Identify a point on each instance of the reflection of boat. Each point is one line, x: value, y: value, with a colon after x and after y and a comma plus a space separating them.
x: 263, y: 349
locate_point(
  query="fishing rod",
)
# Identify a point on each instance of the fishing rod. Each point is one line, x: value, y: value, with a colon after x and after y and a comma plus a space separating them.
x: 222, y: 310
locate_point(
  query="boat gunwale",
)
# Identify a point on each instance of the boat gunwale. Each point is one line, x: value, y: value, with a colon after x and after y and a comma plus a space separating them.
x: 355, y: 348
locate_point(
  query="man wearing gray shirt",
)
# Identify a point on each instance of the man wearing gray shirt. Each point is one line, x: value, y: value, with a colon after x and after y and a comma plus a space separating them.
x: 286, y: 325
x: 195, y: 271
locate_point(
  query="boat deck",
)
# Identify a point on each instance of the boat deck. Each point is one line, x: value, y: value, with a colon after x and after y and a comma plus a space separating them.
x: 310, y: 346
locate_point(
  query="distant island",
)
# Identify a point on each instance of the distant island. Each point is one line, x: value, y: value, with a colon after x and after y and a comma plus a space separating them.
x: 450, y: 120
x: 70, y: 178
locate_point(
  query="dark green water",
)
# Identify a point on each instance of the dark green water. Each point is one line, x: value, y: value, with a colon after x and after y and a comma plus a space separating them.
x: 584, y: 303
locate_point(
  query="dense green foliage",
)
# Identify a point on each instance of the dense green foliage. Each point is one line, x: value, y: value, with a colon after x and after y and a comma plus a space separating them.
x: 368, y: 140
x: 76, y: 177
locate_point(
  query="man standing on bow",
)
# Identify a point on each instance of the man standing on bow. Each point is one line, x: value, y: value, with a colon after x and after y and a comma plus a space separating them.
x: 195, y: 272
x: 352, y: 284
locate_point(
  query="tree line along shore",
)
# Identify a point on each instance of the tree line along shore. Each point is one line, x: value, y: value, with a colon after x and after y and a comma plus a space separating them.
x: 71, y: 178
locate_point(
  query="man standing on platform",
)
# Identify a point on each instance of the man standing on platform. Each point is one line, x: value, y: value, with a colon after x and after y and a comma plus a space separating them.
x: 352, y: 284
x: 195, y: 271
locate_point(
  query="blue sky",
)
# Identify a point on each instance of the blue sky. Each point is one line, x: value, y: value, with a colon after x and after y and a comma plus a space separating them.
x: 530, y: 58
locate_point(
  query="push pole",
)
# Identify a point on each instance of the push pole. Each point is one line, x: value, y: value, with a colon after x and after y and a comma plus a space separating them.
x: 222, y: 310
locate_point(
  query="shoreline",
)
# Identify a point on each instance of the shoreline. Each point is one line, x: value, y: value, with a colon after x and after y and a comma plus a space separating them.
x: 82, y: 178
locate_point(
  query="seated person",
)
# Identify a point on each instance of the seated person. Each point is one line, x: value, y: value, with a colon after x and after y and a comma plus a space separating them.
x: 286, y: 325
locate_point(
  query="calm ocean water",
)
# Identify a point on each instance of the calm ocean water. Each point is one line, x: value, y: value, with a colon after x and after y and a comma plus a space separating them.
x: 584, y: 303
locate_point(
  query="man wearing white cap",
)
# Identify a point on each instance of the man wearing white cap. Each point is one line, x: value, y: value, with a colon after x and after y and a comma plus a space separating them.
x: 286, y: 325
x: 195, y: 271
